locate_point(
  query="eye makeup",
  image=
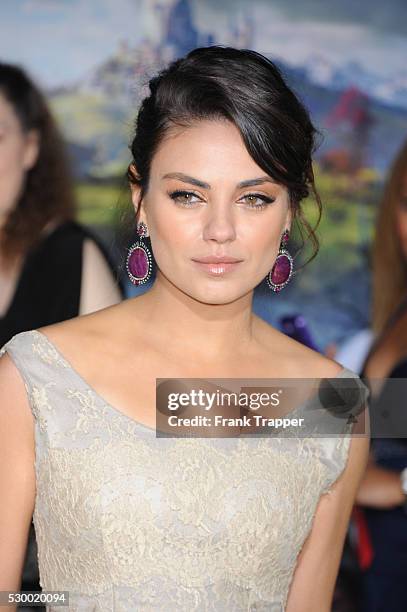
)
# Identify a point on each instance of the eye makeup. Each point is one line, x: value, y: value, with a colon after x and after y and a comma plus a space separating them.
x: 178, y: 194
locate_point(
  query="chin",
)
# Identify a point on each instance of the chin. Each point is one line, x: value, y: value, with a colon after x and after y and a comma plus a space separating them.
x: 216, y: 297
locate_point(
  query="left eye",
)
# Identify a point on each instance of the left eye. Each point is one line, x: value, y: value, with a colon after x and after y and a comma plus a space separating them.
x: 264, y: 200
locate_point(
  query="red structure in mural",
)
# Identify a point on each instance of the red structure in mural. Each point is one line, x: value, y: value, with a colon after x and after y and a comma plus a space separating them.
x: 352, y: 119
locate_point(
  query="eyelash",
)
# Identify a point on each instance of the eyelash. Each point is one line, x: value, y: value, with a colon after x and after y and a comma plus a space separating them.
x: 266, y: 200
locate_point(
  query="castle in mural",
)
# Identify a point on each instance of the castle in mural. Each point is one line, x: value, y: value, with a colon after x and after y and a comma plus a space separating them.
x: 174, y: 34
x: 179, y: 34
x: 98, y: 110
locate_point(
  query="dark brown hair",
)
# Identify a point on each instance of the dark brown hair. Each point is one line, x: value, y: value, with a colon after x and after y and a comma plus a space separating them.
x: 389, y: 264
x: 48, y: 192
x: 246, y: 88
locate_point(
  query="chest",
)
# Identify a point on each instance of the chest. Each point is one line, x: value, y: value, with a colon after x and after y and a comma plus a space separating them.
x: 132, y: 387
x: 210, y: 509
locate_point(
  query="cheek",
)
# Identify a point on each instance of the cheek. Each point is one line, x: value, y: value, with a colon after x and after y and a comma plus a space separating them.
x: 174, y: 232
x: 262, y: 238
x: 12, y: 175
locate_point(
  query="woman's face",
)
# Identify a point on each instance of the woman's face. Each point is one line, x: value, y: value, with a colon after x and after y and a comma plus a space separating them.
x: 401, y: 217
x: 18, y: 153
x: 208, y: 198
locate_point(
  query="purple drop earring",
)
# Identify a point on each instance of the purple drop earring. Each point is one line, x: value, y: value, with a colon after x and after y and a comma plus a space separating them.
x: 281, y: 272
x: 139, y: 261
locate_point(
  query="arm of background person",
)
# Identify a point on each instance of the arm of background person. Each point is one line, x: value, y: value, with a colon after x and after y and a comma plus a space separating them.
x: 318, y: 563
x: 380, y: 487
x: 98, y: 287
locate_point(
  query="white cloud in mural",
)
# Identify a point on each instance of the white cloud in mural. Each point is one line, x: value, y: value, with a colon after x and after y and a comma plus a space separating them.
x: 31, y: 6
x: 59, y: 41
x: 298, y: 41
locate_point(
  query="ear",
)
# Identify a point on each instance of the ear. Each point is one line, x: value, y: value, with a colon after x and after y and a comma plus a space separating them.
x: 135, y: 189
x: 289, y: 219
x: 31, y: 149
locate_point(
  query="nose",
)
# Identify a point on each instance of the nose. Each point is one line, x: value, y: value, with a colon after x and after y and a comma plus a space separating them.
x: 219, y: 224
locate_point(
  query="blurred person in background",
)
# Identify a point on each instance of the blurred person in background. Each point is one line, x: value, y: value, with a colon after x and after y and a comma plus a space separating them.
x: 51, y: 267
x: 383, y: 491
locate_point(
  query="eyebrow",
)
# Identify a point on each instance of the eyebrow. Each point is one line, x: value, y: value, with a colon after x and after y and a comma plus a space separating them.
x: 194, y: 181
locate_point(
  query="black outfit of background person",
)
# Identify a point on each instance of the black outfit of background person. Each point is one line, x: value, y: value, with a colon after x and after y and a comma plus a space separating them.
x: 48, y: 290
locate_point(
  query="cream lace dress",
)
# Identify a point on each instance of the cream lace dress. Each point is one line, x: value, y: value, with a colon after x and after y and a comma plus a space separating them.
x: 127, y: 522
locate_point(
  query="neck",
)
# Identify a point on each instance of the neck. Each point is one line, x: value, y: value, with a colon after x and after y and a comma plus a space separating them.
x: 186, y: 326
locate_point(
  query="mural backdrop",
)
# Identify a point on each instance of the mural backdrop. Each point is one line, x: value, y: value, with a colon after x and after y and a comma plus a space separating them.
x: 345, y: 60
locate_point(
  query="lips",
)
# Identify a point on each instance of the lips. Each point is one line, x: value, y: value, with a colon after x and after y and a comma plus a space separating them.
x: 217, y: 266
x: 211, y: 259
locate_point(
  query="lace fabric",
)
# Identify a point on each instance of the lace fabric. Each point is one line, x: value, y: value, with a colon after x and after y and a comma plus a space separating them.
x: 126, y: 521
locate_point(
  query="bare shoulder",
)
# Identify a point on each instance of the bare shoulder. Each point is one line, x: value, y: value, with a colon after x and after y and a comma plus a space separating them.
x: 294, y: 358
x: 97, y: 331
x: 84, y: 328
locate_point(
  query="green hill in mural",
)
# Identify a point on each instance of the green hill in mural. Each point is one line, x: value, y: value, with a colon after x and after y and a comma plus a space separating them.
x: 97, y: 130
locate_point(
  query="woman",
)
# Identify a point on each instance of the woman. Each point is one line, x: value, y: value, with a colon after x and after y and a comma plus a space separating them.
x: 381, y: 490
x: 127, y: 519
x: 51, y: 268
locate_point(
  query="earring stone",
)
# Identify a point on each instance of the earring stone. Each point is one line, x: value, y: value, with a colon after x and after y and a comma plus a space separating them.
x: 139, y: 261
x: 281, y: 272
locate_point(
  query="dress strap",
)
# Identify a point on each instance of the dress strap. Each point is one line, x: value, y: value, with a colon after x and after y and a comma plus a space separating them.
x: 19, y: 348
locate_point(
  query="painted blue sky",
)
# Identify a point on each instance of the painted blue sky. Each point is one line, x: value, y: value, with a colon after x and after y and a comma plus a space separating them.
x: 60, y: 40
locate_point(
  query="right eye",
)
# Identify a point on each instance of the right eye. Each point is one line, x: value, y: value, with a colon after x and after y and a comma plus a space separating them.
x: 183, y: 197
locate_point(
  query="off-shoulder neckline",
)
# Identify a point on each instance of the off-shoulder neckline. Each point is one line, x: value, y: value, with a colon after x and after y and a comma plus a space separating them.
x: 122, y: 414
